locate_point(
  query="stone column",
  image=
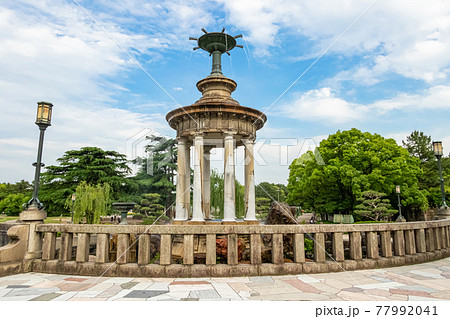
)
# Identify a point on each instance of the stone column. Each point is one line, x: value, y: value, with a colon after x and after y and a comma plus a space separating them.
x: 250, y: 209
x: 180, y: 206
x: 197, y: 213
x: 207, y: 183
x: 33, y: 217
x: 187, y: 184
x: 229, y: 213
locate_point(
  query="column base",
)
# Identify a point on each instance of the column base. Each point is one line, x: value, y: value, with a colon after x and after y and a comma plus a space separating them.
x: 195, y: 222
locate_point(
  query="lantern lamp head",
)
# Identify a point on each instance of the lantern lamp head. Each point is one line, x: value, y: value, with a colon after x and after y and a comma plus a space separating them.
x: 437, y: 148
x: 44, y: 114
x: 397, y: 189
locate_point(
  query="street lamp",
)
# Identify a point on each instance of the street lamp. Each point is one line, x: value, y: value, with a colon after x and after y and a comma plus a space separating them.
x: 439, y: 152
x: 43, y: 120
x: 400, y: 218
x: 74, y: 197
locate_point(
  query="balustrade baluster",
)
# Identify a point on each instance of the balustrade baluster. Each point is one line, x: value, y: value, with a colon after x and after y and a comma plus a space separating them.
x: 211, y: 258
x: 166, y: 249
x: 421, y: 246
x: 319, y: 247
x: 372, y: 245
x: 83, y: 247
x: 386, y: 244
x: 399, y: 243
x: 277, y: 249
x: 299, y: 248
x: 232, y: 249
x: 188, y: 249
x: 144, y: 249
x: 123, y: 248
x: 49, y: 246
x: 410, y: 243
x: 355, y: 246
x: 66, y: 246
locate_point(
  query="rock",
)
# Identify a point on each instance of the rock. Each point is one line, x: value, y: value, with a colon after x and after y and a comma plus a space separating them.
x: 221, y: 248
x: 280, y: 214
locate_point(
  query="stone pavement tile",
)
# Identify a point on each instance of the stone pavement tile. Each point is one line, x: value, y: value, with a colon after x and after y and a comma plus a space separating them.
x: 128, y: 285
x: 129, y: 299
x: 446, y: 275
x: 239, y: 286
x: 190, y: 299
x: 100, y: 287
x: 110, y: 292
x: 338, y: 284
x: 77, y: 279
x: 284, y: 277
x: 443, y: 283
x: 188, y: 287
x: 307, y: 278
x: 86, y: 294
x: 354, y: 296
x: 231, y: 279
x: 47, y: 284
x: 323, y: 287
x: 303, y: 286
x: 409, y: 292
x: 398, y: 297
x: 142, y: 286
x: 17, y: 286
x: 432, y: 270
x: 159, y: 286
x: 6, y: 282
x: 378, y: 292
x: 30, y: 291
x: 409, y: 281
x: 144, y: 293
x: 381, y: 285
x: 192, y: 279
x: 225, y: 291
x: 18, y: 298
x: 66, y: 296
x: 73, y: 286
x: 163, y: 279
x: 56, y: 277
x: 87, y: 299
x: 118, y: 280
x: 120, y: 295
x: 265, y: 279
x: 47, y: 297
x: 204, y: 294
x: 178, y: 294
x: 244, y: 294
x: 379, y: 278
x: 441, y: 295
x: 429, y: 274
x: 353, y: 289
x: 298, y: 296
x: 279, y: 289
x: 420, y: 288
x: 4, y: 291
x: 190, y: 282
x: 420, y: 298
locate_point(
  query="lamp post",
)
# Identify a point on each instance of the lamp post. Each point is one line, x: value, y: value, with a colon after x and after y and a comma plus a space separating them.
x: 400, y: 217
x: 439, y: 152
x: 43, y: 120
x: 74, y: 197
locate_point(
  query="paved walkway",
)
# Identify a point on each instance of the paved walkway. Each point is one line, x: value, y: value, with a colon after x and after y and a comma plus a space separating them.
x: 427, y: 282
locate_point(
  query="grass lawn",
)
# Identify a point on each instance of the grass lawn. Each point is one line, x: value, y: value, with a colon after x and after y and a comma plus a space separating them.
x: 49, y: 220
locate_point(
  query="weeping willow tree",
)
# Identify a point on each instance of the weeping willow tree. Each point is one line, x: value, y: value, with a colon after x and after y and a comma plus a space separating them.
x: 217, y: 196
x: 91, y: 202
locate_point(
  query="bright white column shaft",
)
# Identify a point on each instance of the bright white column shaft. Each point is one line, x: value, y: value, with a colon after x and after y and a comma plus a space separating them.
x: 197, y: 214
x: 229, y: 213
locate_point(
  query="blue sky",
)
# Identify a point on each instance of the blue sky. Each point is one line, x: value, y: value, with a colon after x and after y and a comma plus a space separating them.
x: 388, y: 73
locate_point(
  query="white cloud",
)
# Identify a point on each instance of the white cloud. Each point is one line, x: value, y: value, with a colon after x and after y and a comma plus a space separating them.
x: 323, y: 104
x: 408, y: 37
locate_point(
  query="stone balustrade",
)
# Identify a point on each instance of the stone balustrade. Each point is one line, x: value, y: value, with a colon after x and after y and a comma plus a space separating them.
x: 335, y: 248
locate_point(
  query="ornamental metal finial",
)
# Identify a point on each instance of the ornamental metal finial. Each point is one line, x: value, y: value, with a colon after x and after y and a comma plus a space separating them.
x: 216, y: 43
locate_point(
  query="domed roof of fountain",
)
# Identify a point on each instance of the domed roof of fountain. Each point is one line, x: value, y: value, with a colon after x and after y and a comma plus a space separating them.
x: 216, y: 111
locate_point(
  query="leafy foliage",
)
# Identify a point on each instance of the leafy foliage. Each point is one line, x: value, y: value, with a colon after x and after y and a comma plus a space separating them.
x: 217, y: 196
x: 150, y: 206
x: 89, y: 164
x: 354, y: 162
x: 373, y: 206
x: 156, y: 174
x: 91, y: 202
x: 13, y: 204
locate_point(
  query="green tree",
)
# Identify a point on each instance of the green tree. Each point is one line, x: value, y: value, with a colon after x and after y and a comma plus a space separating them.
x: 420, y: 146
x: 150, y: 207
x: 374, y: 206
x: 217, y: 196
x: 350, y: 163
x: 13, y: 204
x: 156, y: 173
x: 89, y: 164
x: 271, y: 191
x: 92, y: 201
